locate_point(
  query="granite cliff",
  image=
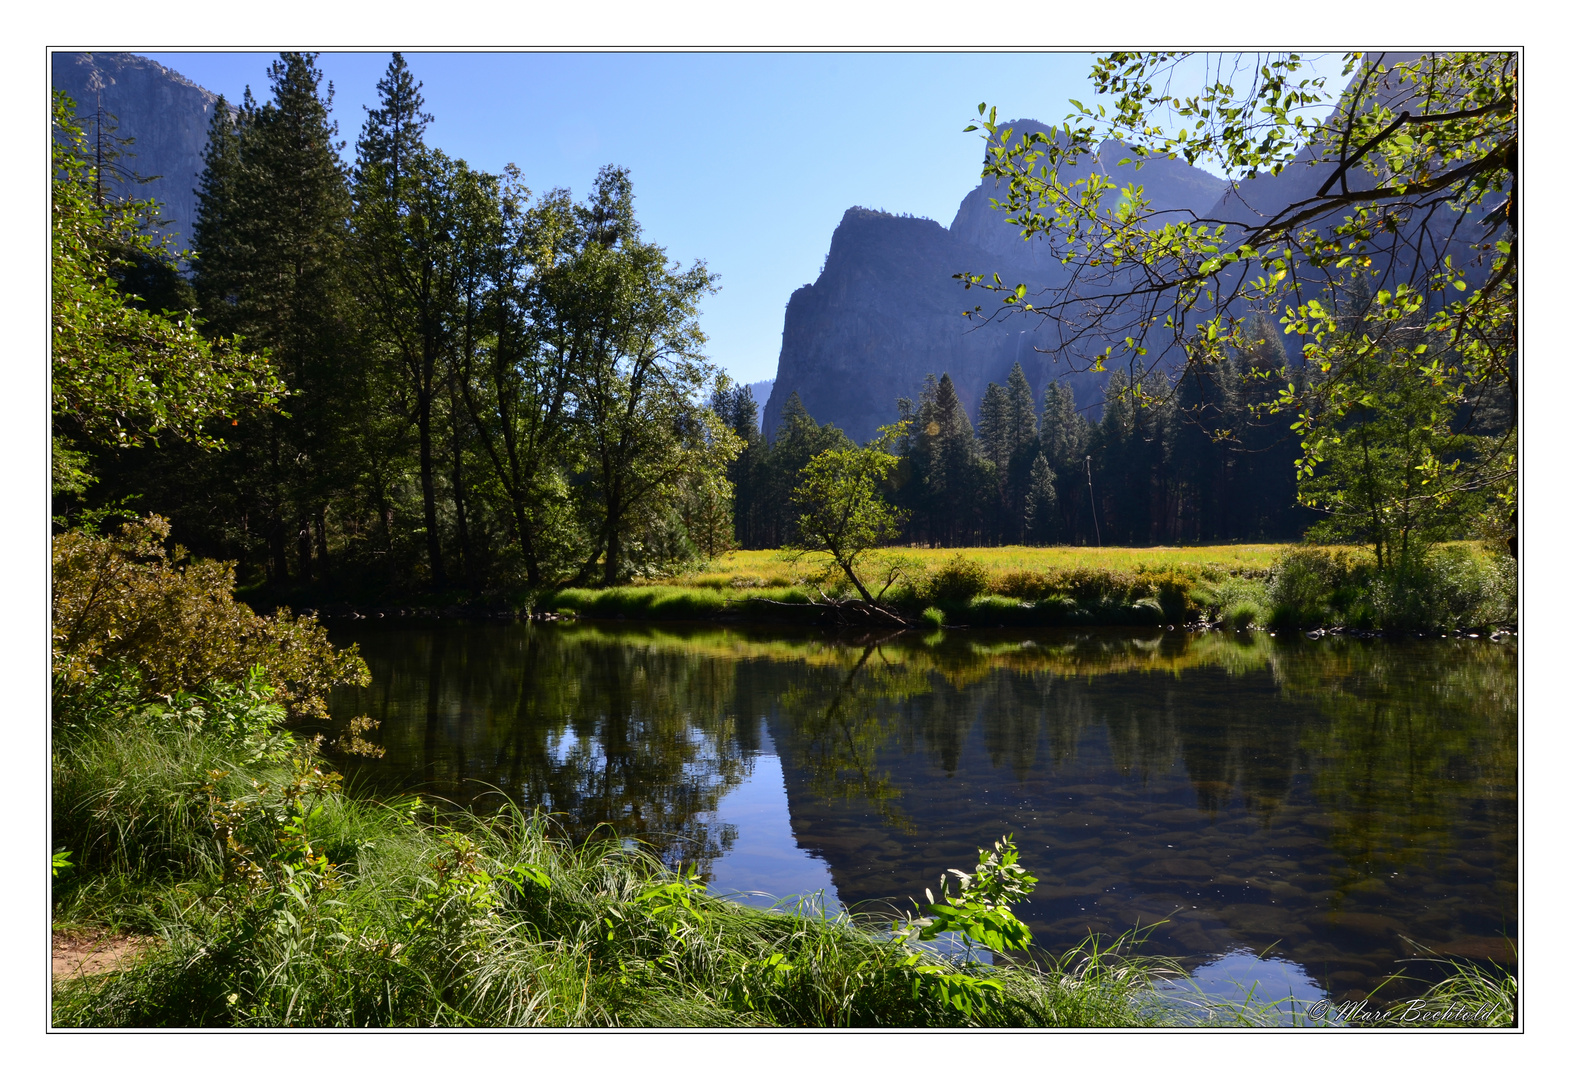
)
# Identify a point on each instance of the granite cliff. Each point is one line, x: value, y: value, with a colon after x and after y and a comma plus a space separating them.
x: 886, y: 310
x: 167, y: 115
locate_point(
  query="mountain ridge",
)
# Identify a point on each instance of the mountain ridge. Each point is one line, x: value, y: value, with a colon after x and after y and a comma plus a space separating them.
x: 887, y: 310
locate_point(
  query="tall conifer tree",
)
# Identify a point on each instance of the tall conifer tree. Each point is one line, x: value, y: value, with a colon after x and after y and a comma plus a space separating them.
x: 272, y: 213
x: 406, y: 262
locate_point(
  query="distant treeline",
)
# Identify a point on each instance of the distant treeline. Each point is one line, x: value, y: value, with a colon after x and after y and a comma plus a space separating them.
x: 1192, y: 463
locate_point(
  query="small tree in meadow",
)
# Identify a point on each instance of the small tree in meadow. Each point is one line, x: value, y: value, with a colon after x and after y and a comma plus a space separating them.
x: 842, y: 511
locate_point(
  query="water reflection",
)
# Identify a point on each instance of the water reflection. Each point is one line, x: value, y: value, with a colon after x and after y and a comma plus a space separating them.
x: 1335, y: 804
x: 1267, y: 986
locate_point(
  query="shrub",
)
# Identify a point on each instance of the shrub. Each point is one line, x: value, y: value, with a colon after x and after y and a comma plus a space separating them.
x: 1433, y: 588
x: 1240, y: 616
x: 1029, y: 585
x: 957, y: 581
x: 1309, y: 586
x: 1146, y: 611
x: 126, y: 600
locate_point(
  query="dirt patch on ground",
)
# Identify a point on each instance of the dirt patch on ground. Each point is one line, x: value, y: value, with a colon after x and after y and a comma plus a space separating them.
x: 88, y: 953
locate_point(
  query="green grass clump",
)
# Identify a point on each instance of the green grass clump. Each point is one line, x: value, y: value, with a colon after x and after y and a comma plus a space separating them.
x: 933, y: 616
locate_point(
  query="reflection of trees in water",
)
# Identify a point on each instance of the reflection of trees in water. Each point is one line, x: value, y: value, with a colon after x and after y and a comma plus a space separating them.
x: 600, y: 732
x: 1237, y: 737
x: 647, y: 729
x: 907, y: 696
x: 1143, y: 738
x: 1242, y: 715
x: 836, y: 722
x: 1414, y: 743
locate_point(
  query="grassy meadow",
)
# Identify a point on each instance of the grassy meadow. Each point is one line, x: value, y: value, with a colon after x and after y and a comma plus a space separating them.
x: 1280, y: 586
x: 747, y: 569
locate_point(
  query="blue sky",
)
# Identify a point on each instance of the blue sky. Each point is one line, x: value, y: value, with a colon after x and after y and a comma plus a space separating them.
x: 744, y: 160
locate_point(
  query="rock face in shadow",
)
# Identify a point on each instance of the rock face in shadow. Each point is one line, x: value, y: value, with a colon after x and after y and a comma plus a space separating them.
x: 167, y: 115
x: 886, y: 311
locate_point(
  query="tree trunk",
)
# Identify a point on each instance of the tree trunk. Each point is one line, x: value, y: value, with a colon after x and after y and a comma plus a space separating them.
x: 612, y: 549
x: 321, y: 541
x: 467, y: 572
x: 433, y: 545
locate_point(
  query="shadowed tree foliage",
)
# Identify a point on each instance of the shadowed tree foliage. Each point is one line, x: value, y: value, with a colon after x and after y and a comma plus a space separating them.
x: 486, y: 391
x: 122, y: 377
x: 272, y: 235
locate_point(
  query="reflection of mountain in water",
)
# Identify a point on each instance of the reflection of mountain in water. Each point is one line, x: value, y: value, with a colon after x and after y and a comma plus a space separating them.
x: 1325, y: 798
x: 1289, y: 803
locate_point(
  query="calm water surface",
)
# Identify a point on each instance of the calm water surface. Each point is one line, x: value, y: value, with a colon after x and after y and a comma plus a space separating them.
x: 1335, y: 807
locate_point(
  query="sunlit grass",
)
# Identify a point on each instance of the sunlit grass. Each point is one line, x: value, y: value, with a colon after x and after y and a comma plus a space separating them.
x: 755, y: 569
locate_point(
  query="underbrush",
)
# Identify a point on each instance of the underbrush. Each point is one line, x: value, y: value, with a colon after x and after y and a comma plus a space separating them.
x: 1452, y: 586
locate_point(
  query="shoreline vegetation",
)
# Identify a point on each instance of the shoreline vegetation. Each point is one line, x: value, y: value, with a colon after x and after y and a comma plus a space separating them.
x: 1457, y: 587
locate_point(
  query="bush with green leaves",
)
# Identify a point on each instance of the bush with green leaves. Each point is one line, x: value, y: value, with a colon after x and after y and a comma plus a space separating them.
x: 957, y: 581
x: 1449, y: 586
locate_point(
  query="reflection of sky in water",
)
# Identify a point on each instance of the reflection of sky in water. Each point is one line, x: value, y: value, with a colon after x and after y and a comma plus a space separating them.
x: 1268, y: 984
x: 764, y: 864
x: 559, y: 747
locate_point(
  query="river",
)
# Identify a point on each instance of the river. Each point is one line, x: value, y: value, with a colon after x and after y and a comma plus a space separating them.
x: 1286, y: 815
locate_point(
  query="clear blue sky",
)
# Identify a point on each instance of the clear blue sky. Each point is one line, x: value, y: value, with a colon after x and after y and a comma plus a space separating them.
x: 744, y: 160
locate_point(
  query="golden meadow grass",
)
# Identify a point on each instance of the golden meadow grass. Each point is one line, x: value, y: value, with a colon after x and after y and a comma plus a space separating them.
x: 753, y: 569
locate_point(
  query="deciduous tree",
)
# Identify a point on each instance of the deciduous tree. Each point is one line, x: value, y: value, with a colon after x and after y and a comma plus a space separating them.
x: 1406, y: 186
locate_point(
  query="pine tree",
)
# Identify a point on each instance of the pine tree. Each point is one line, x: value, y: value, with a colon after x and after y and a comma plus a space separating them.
x: 1009, y: 442
x: 407, y: 266
x: 1065, y: 436
x: 273, y: 207
x: 736, y: 407
x: 1019, y: 411
x: 1042, y: 522
x: 993, y: 425
x: 1024, y: 446
x: 950, y: 479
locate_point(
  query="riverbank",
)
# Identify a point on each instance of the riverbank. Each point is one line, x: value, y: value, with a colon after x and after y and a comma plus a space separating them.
x: 187, y: 813
x: 1460, y: 587
x: 263, y: 894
